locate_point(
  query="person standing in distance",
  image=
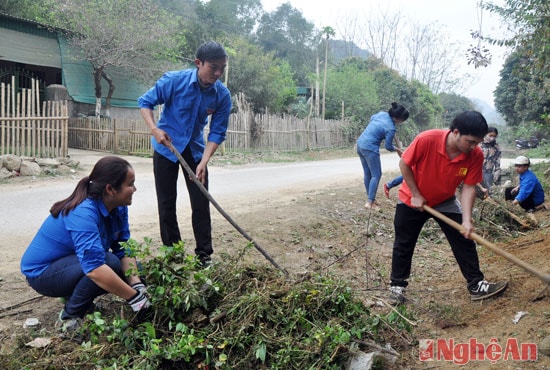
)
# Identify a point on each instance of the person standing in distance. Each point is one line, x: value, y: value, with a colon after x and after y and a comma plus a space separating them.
x: 189, y: 97
x: 433, y: 166
x: 491, y: 163
x: 382, y: 125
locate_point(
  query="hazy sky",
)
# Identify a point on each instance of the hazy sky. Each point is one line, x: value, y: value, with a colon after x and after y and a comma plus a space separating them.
x: 458, y: 16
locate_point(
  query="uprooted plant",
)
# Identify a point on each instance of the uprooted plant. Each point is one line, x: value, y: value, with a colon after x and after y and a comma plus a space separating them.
x: 227, y: 316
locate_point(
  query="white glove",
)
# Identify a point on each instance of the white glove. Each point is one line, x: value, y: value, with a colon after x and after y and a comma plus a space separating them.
x: 139, y: 302
x: 140, y: 287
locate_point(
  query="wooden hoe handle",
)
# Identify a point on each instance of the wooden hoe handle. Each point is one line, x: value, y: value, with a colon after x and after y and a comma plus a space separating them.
x: 545, y: 277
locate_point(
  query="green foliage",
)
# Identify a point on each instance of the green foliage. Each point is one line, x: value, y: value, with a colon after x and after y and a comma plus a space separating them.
x: 425, y: 107
x: 133, y: 34
x: 290, y: 36
x: 232, y: 316
x: 523, y: 92
x: 520, y: 96
x: 27, y: 9
x: 453, y: 104
x: 264, y: 80
x: 354, y: 87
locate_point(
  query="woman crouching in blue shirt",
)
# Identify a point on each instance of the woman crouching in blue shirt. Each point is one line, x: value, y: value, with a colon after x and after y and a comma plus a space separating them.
x: 76, y: 253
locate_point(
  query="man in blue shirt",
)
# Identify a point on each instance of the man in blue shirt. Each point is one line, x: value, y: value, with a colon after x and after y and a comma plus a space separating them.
x: 529, y: 193
x: 189, y: 97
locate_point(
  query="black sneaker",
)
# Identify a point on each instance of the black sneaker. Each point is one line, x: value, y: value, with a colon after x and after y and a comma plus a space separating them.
x: 484, y: 289
x: 397, y: 295
x: 204, y: 261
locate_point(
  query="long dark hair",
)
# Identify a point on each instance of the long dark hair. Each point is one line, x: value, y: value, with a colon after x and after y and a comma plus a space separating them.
x: 108, y: 170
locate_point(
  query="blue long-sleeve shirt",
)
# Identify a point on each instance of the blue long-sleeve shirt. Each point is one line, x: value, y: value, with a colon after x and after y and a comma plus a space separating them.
x: 530, y: 184
x: 186, y: 110
x: 88, y: 232
x: 380, y: 127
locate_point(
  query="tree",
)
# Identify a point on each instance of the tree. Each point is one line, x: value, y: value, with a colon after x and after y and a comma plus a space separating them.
x: 420, y: 52
x: 355, y: 88
x: 328, y: 32
x: 425, y: 108
x: 28, y: 9
x: 524, y: 89
x: 265, y: 80
x: 132, y: 34
x: 291, y: 37
x: 220, y: 19
x: 518, y: 96
x: 431, y: 58
x: 391, y: 86
x: 381, y: 35
x: 453, y: 104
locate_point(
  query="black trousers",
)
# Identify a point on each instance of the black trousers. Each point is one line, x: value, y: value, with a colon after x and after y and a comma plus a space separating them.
x: 166, y: 179
x: 527, y: 204
x: 408, y: 223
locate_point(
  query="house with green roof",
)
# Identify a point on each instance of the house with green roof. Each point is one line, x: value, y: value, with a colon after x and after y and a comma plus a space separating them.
x: 30, y: 50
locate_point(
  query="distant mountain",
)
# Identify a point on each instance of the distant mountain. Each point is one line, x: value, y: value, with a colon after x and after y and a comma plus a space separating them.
x: 341, y: 49
x: 490, y: 113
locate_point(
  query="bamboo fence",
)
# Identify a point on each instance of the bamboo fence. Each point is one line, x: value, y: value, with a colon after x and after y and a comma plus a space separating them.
x: 29, y: 128
x: 246, y: 132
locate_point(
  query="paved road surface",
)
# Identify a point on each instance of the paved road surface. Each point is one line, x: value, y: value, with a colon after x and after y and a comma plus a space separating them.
x: 23, y: 207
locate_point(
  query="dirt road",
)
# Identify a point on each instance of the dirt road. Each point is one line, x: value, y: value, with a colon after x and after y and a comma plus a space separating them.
x: 309, y: 217
x: 25, y: 204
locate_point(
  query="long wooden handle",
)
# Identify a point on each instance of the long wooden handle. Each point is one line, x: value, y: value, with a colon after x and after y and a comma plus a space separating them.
x: 205, y: 192
x: 545, y: 277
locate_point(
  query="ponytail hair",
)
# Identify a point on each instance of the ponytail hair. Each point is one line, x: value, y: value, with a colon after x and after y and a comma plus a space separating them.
x: 398, y: 111
x: 109, y: 170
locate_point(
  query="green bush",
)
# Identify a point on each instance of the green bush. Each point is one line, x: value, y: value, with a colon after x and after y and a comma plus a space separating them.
x: 234, y: 316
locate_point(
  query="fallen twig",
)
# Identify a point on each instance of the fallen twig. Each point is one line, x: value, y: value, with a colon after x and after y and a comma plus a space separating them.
x: 374, y: 345
x: 21, y: 303
x: 397, y: 312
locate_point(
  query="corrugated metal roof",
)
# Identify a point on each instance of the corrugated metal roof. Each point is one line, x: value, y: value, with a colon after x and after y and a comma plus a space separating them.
x: 28, y: 42
x: 78, y: 78
x: 20, y: 44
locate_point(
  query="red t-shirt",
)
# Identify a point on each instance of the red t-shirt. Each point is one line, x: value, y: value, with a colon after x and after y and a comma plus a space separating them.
x: 436, y: 175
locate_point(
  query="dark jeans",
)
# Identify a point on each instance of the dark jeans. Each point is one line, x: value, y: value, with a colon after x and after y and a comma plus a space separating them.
x: 166, y: 179
x: 408, y: 223
x: 65, y: 278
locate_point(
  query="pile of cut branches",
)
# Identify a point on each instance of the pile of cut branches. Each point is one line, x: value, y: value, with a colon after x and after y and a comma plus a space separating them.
x: 500, y: 220
x: 226, y: 316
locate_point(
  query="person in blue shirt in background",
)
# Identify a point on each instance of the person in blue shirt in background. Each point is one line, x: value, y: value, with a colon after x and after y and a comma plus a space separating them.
x: 76, y: 253
x: 529, y: 194
x: 189, y: 97
x: 392, y: 184
x: 382, y: 126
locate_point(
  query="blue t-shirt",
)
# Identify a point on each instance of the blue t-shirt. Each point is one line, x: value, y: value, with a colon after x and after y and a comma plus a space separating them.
x: 380, y: 127
x: 88, y: 232
x: 530, y: 184
x: 186, y: 110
